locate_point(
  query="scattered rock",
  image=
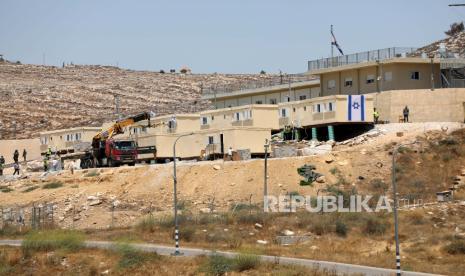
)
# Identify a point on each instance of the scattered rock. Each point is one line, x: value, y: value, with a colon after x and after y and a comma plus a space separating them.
x: 329, y: 159
x: 95, y: 202
x: 258, y: 225
x: 205, y: 210
x: 321, y: 179
x: 288, y: 232
x: 217, y: 167
x: 262, y: 242
x: 314, y: 247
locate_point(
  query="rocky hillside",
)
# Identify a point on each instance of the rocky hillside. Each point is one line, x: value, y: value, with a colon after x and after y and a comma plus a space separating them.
x: 454, y: 44
x: 38, y: 98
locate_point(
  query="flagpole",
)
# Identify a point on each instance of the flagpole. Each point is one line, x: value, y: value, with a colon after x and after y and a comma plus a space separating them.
x: 332, y: 44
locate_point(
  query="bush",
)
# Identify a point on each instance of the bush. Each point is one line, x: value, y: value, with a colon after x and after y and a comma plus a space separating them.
x: 379, y: 184
x: 187, y: 233
x: 5, y: 189
x: 457, y: 246
x: 321, y: 226
x: 334, y: 171
x: 243, y: 262
x: 147, y: 224
x: 129, y: 256
x: 53, y: 185
x: 251, y: 218
x: 53, y: 240
x: 374, y: 226
x: 416, y: 217
x: 30, y: 189
x: 217, y: 265
x: 341, y: 228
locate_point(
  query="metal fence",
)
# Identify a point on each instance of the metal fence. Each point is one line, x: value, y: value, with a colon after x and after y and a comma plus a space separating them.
x: 38, y: 216
x: 254, y: 84
x: 373, y: 55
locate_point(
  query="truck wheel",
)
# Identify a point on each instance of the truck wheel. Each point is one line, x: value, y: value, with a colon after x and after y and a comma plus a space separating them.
x: 111, y: 163
x: 132, y: 164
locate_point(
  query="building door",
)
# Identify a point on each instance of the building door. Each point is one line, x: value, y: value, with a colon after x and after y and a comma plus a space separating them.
x: 221, y: 144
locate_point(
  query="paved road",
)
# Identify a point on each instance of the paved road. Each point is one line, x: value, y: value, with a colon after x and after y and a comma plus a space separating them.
x: 341, y: 268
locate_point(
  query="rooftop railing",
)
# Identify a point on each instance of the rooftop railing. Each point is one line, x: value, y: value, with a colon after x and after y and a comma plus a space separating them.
x: 284, y: 79
x: 374, y: 55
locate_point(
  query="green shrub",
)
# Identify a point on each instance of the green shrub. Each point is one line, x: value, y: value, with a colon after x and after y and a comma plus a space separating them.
x: 5, y: 267
x: 53, y: 240
x: 321, y: 226
x: 129, y: 256
x: 217, y: 265
x: 53, y: 185
x: 147, y: 224
x: 457, y: 246
x: 30, y: 189
x: 5, y: 189
x: 375, y: 226
x: 334, y: 171
x: 243, y: 262
x: 187, y: 233
x: 244, y: 207
x: 341, y: 228
x: 379, y: 184
x: 251, y: 218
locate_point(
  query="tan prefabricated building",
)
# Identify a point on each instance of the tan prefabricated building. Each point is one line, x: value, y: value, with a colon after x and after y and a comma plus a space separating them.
x: 303, y: 113
x: 32, y: 146
x: 425, y: 105
x: 191, y: 146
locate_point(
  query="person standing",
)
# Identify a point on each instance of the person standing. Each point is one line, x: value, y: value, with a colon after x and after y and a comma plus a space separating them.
x: 406, y: 113
x: 2, y: 163
x: 16, y: 156
x: 375, y: 115
x: 16, y: 167
x: 25, y: 155
x: 45, y: 163
x: 230, y: 153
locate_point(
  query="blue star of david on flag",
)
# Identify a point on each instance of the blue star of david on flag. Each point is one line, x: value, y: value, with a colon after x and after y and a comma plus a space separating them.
x: 356, y: 108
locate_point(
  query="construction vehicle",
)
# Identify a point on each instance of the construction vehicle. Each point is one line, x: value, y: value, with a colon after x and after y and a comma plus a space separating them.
x: 109, y: 151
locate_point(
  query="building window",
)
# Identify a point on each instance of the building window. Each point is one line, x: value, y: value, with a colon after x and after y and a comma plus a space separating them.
x: 305, y: 108
x: 237, y: 116
x: 283, y: 113
x: 247, y: 114
x: 204, y: 121
x: 370, y: 79
x: 273, y: 101
x: 302, y: 97
x: 210, y: 140
x: 348, y: 82
x: 331, y: 84
x: 331, y: 106
x: 213, y: 118
x: 415, y: 75
x: 43, y: 140
x: 172, y: 123
x: 317, y: 108
x: 293, y: 109
x: 387, y: 76
x: 258, y: 102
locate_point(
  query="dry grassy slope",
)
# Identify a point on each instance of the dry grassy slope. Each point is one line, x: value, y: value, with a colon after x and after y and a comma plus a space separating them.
x: 43, y: 98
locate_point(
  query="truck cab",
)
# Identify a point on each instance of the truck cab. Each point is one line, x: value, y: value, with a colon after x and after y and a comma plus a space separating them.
x: 121, y: 151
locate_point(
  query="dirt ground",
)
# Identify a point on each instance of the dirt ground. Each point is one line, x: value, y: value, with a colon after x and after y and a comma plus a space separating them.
x: 86, y: 199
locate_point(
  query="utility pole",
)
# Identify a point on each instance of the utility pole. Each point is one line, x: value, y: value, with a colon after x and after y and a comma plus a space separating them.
x: 43, y: 59
x: 175, y: 199
x: 456, y: 5
x: 396, y: 223
x: 265, y: 178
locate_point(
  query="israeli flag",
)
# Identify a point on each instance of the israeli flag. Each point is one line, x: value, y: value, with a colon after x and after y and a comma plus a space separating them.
x: 356, y: 108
